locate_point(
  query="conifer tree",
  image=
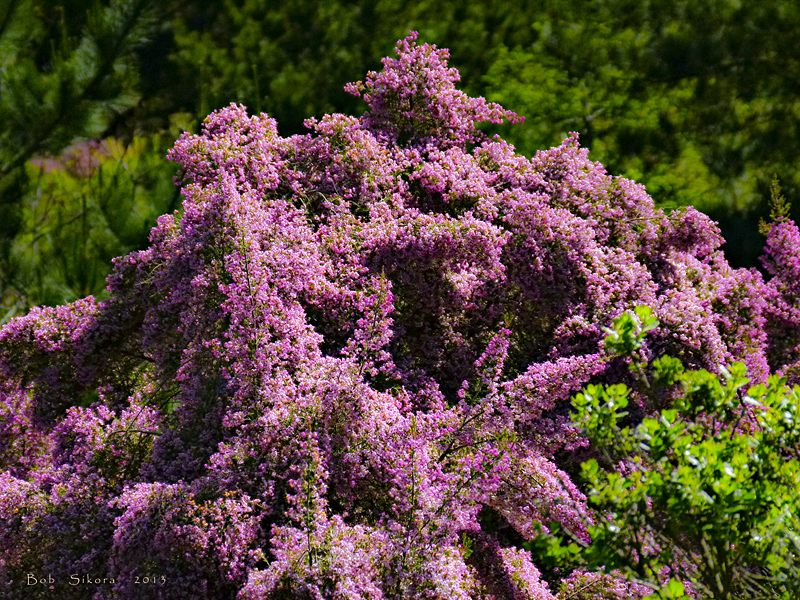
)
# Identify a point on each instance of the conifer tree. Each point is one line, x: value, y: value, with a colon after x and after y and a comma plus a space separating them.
x: 62, y: 78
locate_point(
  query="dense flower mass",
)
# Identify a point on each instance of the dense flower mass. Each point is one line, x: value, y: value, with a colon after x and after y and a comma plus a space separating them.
x: 344, y: 369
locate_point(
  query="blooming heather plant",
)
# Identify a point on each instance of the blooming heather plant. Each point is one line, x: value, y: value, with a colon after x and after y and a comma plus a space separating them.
x: 344, y: 370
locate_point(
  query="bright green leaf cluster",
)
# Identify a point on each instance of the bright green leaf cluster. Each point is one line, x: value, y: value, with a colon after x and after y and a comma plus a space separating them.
x: 705, y: 491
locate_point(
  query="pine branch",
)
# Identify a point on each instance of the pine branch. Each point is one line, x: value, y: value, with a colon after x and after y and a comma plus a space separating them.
x: 113, y: 33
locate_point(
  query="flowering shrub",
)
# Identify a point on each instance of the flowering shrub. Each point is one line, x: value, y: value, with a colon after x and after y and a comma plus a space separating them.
x: 345, y: 369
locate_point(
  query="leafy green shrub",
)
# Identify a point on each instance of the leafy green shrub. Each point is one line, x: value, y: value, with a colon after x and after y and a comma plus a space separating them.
x: 704, y: 491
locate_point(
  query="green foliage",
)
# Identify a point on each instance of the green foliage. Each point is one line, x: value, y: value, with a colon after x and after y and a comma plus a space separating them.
x: 94, y: 202
x: 59, y: 87
x: 704, y: 491
x: 625, y: 339
x: 67, y: 71
x: 692, y: 100
x: 289, y: 59
x: 779, y: 207
x: 554, y: 550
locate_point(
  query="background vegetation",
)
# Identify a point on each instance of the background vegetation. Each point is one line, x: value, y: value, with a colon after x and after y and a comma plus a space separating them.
x: 693, y: 99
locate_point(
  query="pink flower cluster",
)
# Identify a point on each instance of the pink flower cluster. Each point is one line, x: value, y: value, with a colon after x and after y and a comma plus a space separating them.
x: 347, y: 349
